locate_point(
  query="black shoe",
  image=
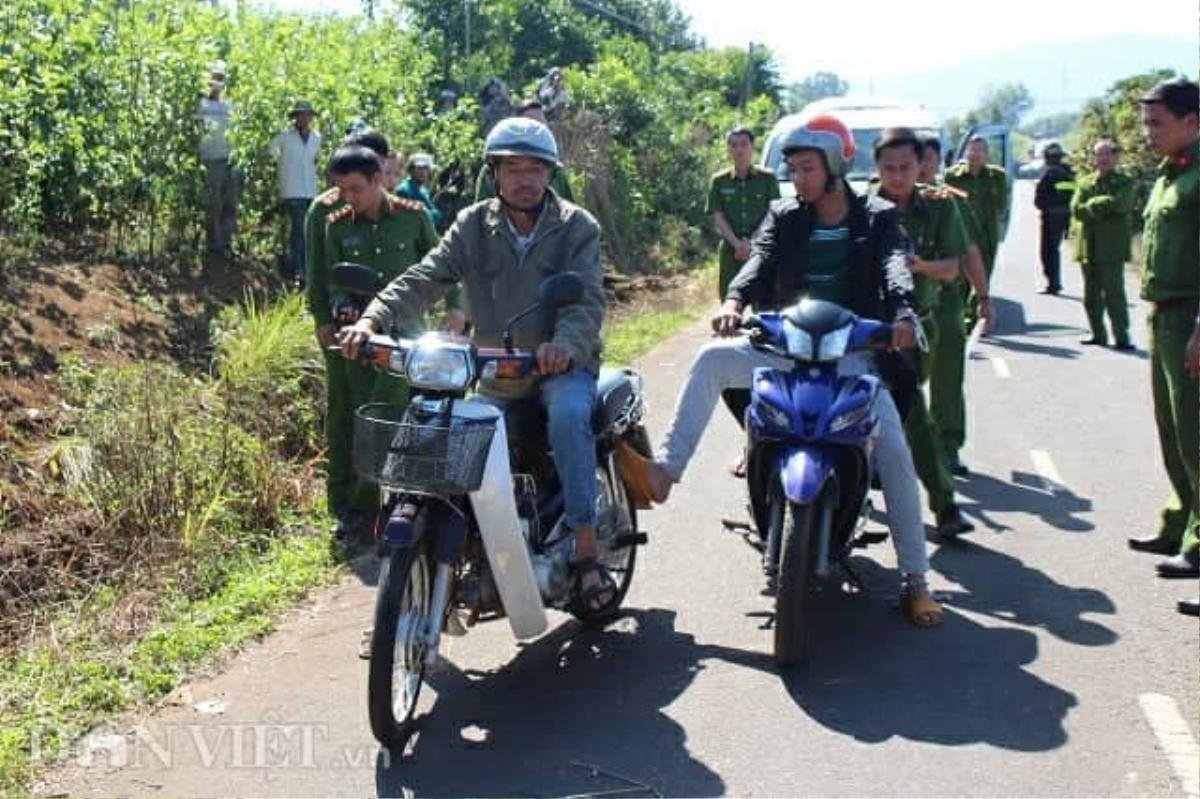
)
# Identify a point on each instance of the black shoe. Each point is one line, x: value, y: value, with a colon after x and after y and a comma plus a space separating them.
x: 1180, y: 566
x: 951, y: 523
x: 1094, y: 341
x: 1051, y: 290
x: 1189, y: 607
x: 1154, y: 544
x: 956, y: 466
x: 1125, y: 346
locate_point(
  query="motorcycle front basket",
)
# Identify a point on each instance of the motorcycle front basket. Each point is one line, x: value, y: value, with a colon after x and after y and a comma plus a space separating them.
x: 399, y: 455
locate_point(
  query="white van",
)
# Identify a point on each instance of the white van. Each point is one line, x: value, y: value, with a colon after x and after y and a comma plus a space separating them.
x: 866, y: 117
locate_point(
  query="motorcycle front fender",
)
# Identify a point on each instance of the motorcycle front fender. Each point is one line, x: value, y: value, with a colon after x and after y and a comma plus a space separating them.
x: 500, y: 528
x: 804, y: 472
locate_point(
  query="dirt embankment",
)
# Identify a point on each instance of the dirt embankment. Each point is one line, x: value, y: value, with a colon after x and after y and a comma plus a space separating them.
x: 54, y: 309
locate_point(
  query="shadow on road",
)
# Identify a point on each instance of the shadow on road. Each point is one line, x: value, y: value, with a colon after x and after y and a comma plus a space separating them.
x: 579, y: 711
x: 1026, y: 493
x: 1011, y: 321
x: 874, y: 678
x: 1001, y: 586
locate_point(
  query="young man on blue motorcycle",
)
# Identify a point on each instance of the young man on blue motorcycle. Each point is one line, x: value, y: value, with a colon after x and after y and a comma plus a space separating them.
x: 500, y: 250
x: 827, y: 243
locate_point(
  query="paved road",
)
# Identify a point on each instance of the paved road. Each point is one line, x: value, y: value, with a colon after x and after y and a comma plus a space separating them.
x: 1061, y: 669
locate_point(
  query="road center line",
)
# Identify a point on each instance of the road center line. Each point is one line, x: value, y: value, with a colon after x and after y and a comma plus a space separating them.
x: 1000, y: 366
x: 1051, y: 479
x: 1175, y: 739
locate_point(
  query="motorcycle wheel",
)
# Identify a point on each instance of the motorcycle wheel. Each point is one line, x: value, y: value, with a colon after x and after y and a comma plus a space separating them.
x: 801, y: 530
x: 619, y: 562
x: 398, y: 648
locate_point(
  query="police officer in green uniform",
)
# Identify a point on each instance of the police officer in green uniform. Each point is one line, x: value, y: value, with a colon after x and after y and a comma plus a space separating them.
x: 947, y: 353
x: 936, y: 232
x: 738, y: 199
x: 986, y: 186
x: 389, y: 234
x: 317, y: 282
x: 1101, y: 206
x: 1171, y: 284
x: 560, y: 182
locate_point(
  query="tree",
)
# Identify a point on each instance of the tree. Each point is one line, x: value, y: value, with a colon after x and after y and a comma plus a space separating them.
x: 816, y: 86
x: 1004, y: 104
x: 1117, y: 116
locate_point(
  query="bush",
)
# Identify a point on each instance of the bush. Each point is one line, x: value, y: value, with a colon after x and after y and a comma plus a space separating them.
x: 1117, y: 115
x: 97, y: 102
x: 161, y: 478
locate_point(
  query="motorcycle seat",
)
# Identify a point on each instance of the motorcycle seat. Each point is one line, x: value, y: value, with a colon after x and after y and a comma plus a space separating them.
x: 614, y: 394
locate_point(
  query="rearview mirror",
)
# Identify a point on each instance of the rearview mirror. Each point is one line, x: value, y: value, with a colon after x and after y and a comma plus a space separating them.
x: 356, y: 279
x: 563, y: 288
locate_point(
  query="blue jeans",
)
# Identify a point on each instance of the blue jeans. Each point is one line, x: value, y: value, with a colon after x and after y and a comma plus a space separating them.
x: 569, y: 399
x: 295, y: 208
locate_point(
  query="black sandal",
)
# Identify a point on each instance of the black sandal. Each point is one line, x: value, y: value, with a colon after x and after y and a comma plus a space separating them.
x: 586, y: 597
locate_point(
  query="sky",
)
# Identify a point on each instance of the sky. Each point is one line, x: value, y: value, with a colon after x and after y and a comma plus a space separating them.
x: 870, y: 43
x: 865, y: 40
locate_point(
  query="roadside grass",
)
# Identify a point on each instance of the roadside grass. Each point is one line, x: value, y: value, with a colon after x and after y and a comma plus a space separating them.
x: 185, y: 525
x: 53, y: 694
x: 212, y: 477
x: 638, y: 327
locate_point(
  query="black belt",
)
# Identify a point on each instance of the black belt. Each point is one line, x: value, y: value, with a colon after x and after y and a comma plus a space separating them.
x: 1175, y: 302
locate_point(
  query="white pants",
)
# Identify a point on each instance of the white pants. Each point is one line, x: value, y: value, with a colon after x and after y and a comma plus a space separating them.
x: 730, y: 363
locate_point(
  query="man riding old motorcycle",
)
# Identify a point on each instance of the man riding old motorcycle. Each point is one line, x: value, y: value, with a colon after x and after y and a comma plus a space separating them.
x: 831, y: 244
x: 500, y: 250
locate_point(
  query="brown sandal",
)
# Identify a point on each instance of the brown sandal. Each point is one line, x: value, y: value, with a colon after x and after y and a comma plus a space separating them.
x: 919, y: 607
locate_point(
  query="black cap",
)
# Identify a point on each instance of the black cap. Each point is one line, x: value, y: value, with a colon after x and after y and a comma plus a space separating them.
x: 1181, y: 96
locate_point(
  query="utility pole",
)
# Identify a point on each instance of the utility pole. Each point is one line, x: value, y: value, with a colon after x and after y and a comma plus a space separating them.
x: 748, y: 85
x: 467, y: 17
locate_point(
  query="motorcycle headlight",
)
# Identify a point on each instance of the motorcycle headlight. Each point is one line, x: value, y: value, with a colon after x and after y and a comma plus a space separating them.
x: 849, y: 418
x: 799, y: 342
x: 833, y: 344
x: 774, y: 417
x: 435, y: 365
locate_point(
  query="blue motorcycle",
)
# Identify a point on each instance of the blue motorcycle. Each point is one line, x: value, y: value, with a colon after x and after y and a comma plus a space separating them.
x: 808, y: 460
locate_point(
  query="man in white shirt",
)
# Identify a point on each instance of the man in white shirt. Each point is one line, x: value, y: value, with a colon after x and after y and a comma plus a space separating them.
x: 215, y: 114
x: 296, y: 151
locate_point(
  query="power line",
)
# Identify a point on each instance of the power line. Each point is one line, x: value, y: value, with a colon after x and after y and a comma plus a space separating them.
x: 599, y: 9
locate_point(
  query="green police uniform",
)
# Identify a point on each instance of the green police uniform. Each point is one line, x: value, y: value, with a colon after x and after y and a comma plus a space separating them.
x: 947, y: 355
x: 744, y: 202
x: 935, y: 228
x: 560, y: 182
x: 1171, y: 283
x: 987, y: 194
x: 390, y: 244
x: 1101, y: 206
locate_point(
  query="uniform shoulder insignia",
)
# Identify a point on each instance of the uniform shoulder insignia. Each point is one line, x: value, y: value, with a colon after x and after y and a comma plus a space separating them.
x: 346, y: 211
x: 954, y: 191
x: 722, y: 173
x: 330, y: 196
x: 764, y: 171
x: 996, y: 170
x: 396, y: 204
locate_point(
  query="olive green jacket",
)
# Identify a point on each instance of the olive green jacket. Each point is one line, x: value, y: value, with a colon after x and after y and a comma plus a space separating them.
x: 480, y: 251
x: 1171, y: 231
x: 988, y: 196
x: 1102, y: 207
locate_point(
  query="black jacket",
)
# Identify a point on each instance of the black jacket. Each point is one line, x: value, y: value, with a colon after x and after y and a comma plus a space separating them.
x: 1054, y: 190
x: 774, y: 275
